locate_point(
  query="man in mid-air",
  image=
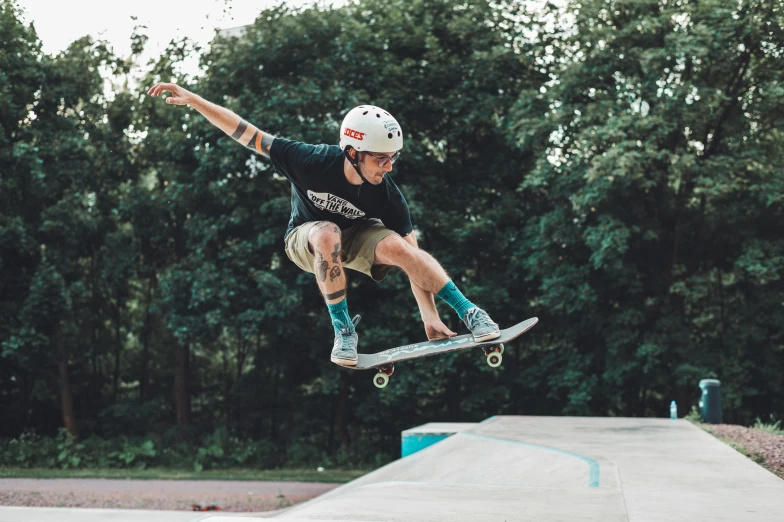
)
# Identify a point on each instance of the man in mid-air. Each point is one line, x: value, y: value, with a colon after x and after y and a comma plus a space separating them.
x: 347, y: 213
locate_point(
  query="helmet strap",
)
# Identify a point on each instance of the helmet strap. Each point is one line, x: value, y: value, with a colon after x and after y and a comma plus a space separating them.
x: 353, y: 157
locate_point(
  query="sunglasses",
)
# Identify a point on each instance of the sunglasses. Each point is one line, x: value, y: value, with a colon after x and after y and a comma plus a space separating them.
x: 383, y: 161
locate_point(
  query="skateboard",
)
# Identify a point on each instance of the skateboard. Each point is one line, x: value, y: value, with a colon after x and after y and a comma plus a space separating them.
x: 385, y: 361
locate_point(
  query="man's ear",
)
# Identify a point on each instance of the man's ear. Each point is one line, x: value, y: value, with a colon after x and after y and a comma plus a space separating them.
x: 352, y: 153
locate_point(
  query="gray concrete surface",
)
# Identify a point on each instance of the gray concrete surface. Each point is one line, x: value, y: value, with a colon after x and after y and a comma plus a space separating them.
x: 562, y: 468
x: 37, y: 514
x: 544, y: 469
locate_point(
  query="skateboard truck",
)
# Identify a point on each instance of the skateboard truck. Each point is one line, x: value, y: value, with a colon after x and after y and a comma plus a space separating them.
x: 494, y: 355
x: 382, y: 377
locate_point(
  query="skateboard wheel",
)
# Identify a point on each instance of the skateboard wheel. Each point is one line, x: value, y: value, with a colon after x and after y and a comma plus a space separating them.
x: 501, y: 348
x: 381, y: 380
x: 389, y: 370
x: 494, y: 359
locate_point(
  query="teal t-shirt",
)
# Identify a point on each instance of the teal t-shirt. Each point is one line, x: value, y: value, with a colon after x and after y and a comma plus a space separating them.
x: 321, y: 192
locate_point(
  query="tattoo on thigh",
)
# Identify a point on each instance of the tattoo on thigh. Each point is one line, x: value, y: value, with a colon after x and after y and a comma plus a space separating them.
x: 334, y: 273
x: 321, y: 268
x: 322, y: 224
x: 339, y: 293
x: 336, y: 253
x: 337, y: 231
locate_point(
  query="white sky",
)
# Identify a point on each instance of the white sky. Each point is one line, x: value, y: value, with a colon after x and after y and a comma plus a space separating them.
x: 60, y: 22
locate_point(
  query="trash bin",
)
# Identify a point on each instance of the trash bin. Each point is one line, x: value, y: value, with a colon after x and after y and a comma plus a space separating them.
x: 710, y: 402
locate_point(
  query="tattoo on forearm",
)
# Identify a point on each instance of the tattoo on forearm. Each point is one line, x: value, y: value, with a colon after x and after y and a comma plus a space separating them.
x: 336, y: 253
x: 321, y: 268
x: 334, y: 273
x: 243, y: 126
x: 339, y: 293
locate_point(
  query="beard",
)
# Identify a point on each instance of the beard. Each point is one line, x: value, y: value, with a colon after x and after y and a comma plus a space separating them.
x: 375, y: 176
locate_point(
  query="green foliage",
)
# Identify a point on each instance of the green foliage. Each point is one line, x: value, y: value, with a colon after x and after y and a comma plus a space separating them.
x: 215, y: 451
x: 694, y: 415
x: 134, y: 453
x: 617, y: 174
x: 773, y: 427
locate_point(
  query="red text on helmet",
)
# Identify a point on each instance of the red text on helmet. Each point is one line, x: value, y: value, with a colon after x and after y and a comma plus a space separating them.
x: 351, y: 133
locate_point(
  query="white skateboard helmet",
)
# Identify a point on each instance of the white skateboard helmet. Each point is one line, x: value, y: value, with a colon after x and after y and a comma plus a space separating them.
x: 368, y: 128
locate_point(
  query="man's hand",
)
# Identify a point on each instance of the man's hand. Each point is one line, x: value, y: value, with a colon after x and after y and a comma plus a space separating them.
x: 223, y: 118
x: 436, y: 329
x: 179, y: 95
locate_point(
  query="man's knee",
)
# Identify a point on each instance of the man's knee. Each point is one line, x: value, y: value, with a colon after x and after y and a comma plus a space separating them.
x: 323, y: 234
x: 392, y: 249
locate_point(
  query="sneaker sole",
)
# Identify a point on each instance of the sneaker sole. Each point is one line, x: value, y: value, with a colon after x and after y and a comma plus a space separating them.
x: 487, y: 337
x: 343, y: 362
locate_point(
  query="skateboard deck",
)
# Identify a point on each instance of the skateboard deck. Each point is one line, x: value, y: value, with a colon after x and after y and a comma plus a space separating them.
x: 385, y: 361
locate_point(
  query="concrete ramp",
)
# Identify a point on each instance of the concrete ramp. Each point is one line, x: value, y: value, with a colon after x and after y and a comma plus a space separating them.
x: 406, y: 501
x: 562, y: 469
x: 473, y: 459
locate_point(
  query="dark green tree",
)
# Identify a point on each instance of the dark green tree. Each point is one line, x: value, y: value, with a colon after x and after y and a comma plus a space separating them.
x: 655, y: 240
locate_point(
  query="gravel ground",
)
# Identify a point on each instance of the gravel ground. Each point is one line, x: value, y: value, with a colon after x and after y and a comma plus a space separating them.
x: 764, y: 448
x: 157, y: 494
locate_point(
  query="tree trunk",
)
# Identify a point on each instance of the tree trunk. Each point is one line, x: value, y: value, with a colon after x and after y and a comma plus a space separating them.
x: 643, y: 399
x: 275, y: 403
x: 453, y: 398
x: 66, y: 395
x: 341, y: 425
x: 182, y: 398
x: 144, y: 378
x: 228, y: 409
x: 117, y: 350
x: 96, y: 317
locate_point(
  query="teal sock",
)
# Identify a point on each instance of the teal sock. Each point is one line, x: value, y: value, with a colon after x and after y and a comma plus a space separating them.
x: 455, y: 299
x: 339, y: 314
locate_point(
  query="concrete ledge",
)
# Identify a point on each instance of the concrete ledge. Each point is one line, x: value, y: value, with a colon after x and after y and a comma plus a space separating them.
x: 419, y: 438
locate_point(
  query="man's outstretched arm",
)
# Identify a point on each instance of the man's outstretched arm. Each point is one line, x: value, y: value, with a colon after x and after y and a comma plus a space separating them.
x: 223, y: 118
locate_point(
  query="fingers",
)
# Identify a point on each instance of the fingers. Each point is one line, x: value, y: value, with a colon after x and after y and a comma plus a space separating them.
x: 177, y: 93
x: 446, y: 331
x: 439, y: 331
x: 159, y: 88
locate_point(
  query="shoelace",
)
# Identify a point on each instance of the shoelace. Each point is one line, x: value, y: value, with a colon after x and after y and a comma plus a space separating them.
x: 479, y: 318
x: 346, y: 334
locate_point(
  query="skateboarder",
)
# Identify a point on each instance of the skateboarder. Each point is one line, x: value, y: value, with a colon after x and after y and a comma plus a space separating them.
x: 347, y: 213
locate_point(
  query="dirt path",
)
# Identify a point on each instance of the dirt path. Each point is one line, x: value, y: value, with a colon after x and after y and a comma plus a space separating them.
x: 157, y: 494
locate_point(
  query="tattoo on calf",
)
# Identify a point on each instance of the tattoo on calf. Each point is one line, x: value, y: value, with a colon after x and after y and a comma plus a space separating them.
x: 339, y: 293
x: 321, y: 268
x: 334, y: 273
x: 336, y: 253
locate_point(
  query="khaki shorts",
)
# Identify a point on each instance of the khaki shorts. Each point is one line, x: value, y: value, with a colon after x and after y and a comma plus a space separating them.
x: 358, y: 247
